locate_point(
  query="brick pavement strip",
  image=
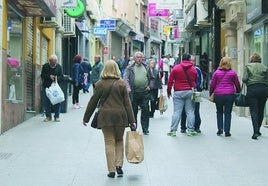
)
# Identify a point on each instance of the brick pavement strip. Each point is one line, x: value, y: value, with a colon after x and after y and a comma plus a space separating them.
x: 68, y: 154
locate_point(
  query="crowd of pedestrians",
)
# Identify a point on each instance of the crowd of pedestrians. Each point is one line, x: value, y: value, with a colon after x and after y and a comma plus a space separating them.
x: 136, y: 88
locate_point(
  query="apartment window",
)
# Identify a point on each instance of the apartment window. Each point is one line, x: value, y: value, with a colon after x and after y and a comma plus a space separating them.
x: 137, y: 10
x: 14, y: 75
x: 114, y: 4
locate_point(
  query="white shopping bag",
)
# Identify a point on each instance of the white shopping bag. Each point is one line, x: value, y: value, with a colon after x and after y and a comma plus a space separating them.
x: 55, y: 94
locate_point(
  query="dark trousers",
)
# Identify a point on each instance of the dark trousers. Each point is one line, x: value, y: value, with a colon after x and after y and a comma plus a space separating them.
x: 75, y: 95
x: 48, y: 107
x: 224, y: 107
x: 153, y: 99
x: 197, y: 122
x: 142, y: 99
x: 256, y: 100
x: 166, y: 77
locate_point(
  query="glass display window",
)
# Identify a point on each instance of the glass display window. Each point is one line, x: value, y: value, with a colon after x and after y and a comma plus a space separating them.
x: 14, y: 75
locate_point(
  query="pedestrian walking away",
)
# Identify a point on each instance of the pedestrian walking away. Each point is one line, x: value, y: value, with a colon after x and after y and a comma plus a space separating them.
x: 87, y: 68
x: 138, y: 84
x: 182, y: 94
x: 50, y: 72
x: 114, y: 115
x: 78, y: 80
x: 255, y: 75
x: 197, y: 122
x: 224, y: 84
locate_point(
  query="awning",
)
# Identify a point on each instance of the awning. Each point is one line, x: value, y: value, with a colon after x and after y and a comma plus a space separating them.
x: 35, y: 8
x: 188, y: 5
x: 122, y: 28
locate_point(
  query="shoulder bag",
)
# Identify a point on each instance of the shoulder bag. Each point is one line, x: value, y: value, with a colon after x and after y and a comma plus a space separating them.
x: 240, y: 98
x: 196, y: 97
x: 94, y: 122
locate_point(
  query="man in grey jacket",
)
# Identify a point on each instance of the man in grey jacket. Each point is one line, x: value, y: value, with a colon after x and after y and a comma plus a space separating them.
x: 137, y: 80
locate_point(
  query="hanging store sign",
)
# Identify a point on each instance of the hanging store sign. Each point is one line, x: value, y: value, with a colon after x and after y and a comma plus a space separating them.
x: 110, y: 24
x: 168, y: 4
x: 76, y: 12
x: 100, y: 31
x: 63, y: 4
x: 154, y: 12
x: 35, y: 8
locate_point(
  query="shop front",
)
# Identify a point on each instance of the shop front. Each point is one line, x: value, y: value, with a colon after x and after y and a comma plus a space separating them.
x: 257, y: 41
x: 19, y: 58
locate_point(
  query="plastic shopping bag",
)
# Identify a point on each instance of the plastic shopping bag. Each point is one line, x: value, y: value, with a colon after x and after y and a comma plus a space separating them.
x: 134, y: 147
x: 55, y: 94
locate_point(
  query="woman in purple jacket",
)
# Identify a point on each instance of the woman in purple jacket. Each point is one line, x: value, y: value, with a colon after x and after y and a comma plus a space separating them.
x: 224, y: 84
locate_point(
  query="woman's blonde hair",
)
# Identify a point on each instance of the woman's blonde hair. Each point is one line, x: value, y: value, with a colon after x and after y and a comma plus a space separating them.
x: 110, y: 70
x: 225, y: 63
x: 255, y: 57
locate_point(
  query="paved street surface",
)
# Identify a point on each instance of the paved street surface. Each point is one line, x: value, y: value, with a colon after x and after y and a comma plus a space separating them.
x: 68, y: 154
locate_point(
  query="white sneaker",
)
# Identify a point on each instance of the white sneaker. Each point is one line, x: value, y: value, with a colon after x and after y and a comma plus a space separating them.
x: 75, y: 106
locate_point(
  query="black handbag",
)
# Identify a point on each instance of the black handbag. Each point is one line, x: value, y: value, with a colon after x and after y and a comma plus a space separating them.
x: 94, y: 122
x: 241, y: 99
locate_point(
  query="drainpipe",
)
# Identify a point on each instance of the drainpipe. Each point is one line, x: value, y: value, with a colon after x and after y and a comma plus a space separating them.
x: 1, y: 28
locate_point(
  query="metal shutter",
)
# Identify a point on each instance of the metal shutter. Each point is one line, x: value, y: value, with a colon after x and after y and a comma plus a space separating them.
x: 29, y: 67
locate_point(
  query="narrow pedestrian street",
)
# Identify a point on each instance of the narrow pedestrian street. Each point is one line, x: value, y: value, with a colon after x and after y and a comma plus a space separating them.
x: 36, y: 153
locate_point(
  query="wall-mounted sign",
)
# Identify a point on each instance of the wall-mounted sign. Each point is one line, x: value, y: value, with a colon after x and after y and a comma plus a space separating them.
x: 105, y: 50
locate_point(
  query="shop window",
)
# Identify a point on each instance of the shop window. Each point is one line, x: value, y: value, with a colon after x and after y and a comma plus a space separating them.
x: 14, y: 75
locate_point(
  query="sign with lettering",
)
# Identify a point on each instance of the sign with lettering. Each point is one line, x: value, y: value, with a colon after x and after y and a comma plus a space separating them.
x: 110, y: 24
x: 100, y: 31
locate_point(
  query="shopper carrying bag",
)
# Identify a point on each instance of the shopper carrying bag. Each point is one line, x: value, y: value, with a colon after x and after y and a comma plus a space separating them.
x: 134, y: 148
x: 54, y: 93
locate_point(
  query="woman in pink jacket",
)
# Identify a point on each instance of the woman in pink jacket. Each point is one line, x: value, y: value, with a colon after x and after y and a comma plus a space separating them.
x: 224, y: 84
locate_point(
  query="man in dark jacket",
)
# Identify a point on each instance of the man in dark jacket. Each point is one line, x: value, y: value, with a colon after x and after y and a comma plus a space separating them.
x: 137, y: 80
x: 51, y: 72
x: 96, y: 70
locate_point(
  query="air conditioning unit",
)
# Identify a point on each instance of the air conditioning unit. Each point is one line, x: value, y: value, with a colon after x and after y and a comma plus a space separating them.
x: 68, y: 24
x: 49, y: 22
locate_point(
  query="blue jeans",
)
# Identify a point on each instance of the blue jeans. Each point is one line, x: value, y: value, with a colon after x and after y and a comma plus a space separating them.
x: 48, y: 106
x: 224, y: 106
x: 182, y: 99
